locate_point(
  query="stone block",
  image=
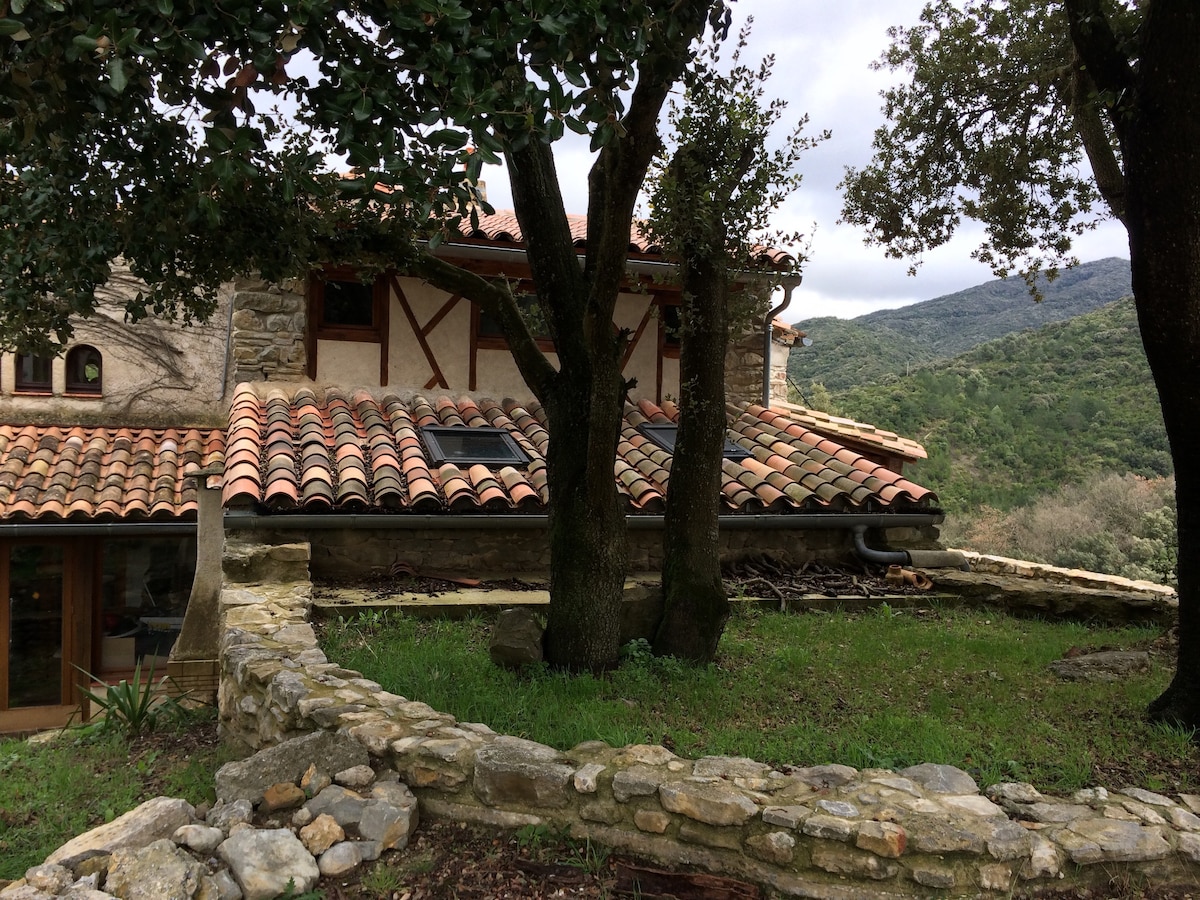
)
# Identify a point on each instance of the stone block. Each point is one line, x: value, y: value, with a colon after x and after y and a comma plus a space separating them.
x: 882, y: 838
x: 520, y: 772
x: 654, y: 821
x: 712, y: 804
x: 842, y: 860
x: 776, y: 847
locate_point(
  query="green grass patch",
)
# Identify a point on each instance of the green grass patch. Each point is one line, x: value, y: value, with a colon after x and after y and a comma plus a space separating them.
x: 51, y: 792
x: 880, y: 689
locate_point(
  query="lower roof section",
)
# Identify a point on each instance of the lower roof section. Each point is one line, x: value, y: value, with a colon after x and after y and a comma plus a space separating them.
x: 306, y: 449
x: 71, y: 474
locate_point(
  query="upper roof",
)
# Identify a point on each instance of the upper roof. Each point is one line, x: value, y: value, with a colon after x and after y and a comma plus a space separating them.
x: 855, y: 432
x: 501, y: 228
x: 75, y: 473
x: 316, y: 450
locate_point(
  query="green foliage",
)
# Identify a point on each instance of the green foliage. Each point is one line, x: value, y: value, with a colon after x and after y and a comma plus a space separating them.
x: 991, y: 123
x: 1022, y: 416
x: 718, y: 181
x: 1120, y: 524
x: 133, y: 705
x: 846, y: 353
x: 967, y: 688
x: 152, y: 131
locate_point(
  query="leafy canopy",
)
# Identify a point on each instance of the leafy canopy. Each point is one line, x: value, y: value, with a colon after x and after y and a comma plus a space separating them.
x: 999, y: 121
x: 191, y: 138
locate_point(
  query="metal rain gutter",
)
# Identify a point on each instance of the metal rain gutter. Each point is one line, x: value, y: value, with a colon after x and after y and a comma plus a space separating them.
x: 52, y: 530
x: 656, y: 268
x: 247, y: 521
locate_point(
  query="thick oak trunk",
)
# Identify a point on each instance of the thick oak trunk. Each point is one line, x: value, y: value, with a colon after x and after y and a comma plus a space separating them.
x: 695, y: 605
x: 1162, y: 162
x: 588, y: 549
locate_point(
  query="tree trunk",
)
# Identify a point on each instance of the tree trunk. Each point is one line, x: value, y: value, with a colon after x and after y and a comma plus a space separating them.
x: 695, y: 606
x: 589, y: 554
x: 1161, y: 150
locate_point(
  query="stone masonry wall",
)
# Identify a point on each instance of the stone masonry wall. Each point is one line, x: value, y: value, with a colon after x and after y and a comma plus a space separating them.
x: 268, y: 332
x: 815, y: 831
x: 511, y: 552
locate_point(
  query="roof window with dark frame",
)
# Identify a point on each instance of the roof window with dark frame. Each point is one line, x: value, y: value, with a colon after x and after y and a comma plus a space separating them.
x: 664, y: 436
x: 471, y: 446
x: 85, y: 371
x: 35, y: 374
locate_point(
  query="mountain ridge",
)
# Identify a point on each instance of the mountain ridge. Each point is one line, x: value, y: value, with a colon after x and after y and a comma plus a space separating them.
x: 848, y: 352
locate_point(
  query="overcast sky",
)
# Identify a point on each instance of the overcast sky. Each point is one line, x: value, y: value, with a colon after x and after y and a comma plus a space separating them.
x: 823, y: 53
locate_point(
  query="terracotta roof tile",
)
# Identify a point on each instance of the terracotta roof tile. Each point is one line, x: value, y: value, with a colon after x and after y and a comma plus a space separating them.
x: 52, y: 473
x: 502, y: 228
x: 367, y: 453
x: 840, y: 429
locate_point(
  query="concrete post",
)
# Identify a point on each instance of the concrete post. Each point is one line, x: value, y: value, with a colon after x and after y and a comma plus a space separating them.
x: 198, y: 639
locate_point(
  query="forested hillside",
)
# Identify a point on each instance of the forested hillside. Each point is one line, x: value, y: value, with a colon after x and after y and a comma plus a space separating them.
x: 849, y: 352
x: 1021, y: 416
x: 1046, y: 445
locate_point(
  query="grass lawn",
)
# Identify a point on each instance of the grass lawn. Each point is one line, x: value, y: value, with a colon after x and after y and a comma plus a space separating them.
x: 51, y: 792
x: 878, y: 689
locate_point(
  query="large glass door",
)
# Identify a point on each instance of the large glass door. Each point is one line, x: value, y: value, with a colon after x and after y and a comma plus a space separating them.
x: 32, y: 634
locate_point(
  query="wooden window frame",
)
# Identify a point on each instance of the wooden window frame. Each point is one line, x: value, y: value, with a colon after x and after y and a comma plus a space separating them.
x: 376, y: 333
x: 668, y: 348
x: 79, y: 388
x: 372, y: 333
x: 482, y: 341
x: 24, y: 386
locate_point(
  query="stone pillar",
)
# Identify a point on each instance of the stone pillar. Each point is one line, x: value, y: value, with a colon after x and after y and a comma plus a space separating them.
x: 193, y: 662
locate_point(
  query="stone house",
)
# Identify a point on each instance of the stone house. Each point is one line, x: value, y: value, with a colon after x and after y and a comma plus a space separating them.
x: 379, y: 421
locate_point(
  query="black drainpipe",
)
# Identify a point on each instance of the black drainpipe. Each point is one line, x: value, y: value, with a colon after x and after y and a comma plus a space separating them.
x: 925, y: 559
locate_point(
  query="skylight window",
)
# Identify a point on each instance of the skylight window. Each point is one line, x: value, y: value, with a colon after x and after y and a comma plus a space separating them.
x: 469, y: 446
x: 664, y: 436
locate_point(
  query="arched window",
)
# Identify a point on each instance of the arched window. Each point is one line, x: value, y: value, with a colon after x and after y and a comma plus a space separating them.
x: 85, y: 370
x: 34, y: 374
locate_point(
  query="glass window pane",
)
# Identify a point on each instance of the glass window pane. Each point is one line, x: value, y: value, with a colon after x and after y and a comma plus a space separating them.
x: 84, y: 370
x: 35, y: 639
x: 349, y: 303
x: 34, y: 373
x: 144, y: 589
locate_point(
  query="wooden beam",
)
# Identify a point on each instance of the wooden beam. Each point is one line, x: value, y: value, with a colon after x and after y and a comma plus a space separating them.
x: 438, y: 378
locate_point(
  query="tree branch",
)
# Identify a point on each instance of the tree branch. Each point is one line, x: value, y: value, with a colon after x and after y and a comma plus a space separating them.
x: 538, y: 203
x: 497, y: 301
x: 1106, y: 168
x: 1097, y: 46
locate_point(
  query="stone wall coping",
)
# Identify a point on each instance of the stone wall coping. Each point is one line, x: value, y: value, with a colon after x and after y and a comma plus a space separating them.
x: 1002, y: 565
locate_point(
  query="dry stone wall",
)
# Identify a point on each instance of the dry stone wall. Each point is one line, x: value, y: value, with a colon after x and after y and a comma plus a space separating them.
x: 815, y: 831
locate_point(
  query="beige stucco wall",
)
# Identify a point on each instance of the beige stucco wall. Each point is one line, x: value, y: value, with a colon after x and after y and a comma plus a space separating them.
x: 353, y: 364
x: 154, y: 371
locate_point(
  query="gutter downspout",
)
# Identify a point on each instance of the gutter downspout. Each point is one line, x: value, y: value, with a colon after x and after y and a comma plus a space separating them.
x: 790, y: 283
x: 925, y: 559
